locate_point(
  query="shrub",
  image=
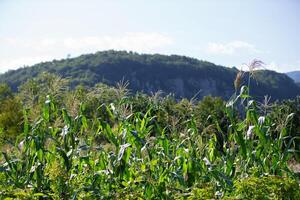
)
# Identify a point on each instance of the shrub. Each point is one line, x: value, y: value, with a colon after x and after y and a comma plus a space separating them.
x: 268, y: 187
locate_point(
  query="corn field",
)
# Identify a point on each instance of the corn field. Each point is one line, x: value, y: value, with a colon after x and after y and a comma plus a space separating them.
x: 119, y: 153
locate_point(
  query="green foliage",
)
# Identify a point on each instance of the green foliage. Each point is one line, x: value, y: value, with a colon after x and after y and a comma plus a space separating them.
x: 5, y: 92
x: 263, y: 188
x: 185, y: 77
x: 287, y: 116
x: 11, y: 115
x: 105, y: 143
x: 206, y: 192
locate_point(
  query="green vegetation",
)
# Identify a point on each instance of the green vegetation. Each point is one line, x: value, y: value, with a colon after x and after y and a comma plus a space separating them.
x: 183, y: 76
x: 104, y: 142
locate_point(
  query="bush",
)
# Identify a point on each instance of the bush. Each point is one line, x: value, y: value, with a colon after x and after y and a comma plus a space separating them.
x: 205, y: 192
x: 269, y: 187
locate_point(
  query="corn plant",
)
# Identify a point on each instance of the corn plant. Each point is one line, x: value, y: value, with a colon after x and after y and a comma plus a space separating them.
x: 119, y: 153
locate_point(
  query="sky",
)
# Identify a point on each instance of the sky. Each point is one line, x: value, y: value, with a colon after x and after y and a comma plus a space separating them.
x: 225, y: 32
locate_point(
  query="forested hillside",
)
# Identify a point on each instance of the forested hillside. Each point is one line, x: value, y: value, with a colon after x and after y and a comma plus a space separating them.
x: 183, y: 76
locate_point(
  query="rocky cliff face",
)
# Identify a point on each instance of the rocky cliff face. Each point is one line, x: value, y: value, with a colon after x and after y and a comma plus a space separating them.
x: 181, y: 87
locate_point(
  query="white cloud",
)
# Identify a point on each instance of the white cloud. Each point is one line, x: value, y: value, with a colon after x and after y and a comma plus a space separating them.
x: 135, y: 41
x: 283, y: 67
x: 21, y: 61
x: 231, y: 48
x: 25, y: 51
x: 139, y: 41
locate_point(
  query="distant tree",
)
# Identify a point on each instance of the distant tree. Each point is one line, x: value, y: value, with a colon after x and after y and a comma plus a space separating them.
x: 5, y: 91
x: 11, y: 115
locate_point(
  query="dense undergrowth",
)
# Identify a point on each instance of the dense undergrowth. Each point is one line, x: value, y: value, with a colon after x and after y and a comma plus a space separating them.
x: 104, y: 143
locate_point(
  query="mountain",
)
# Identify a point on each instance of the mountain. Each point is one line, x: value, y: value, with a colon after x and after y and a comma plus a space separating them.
x: 295, y: 75
x: 181, y: 75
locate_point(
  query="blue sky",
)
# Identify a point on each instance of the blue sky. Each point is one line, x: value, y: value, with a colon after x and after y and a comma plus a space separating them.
x: 227, y: 32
